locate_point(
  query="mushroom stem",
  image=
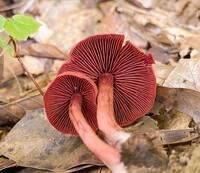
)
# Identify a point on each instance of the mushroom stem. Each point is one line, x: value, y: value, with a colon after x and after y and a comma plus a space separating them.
x: 110, y: 156
x: 105, y: 113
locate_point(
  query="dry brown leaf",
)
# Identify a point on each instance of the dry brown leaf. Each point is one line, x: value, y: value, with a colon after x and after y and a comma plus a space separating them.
x: 34, y: 142
x: 119, y: 23
x: 43, y: 50
x: 185, y: 75
x: 6, y: 163
x: 162, y: 71
x: 184, y: 100
x: 18, y: 108
x: 1, y: 66
x: 91, y: 3
x: 159, y: 54
x: 12, y: 68
x: 75, y: 23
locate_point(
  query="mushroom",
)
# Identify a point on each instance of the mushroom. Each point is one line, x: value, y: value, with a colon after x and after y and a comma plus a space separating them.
x: 125, y: 80
x: 70, y: 107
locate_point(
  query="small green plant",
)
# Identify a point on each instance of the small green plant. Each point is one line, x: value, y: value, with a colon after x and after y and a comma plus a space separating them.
x: 19, y: 27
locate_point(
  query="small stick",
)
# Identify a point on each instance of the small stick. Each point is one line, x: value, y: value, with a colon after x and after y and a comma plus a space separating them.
x: 24, y: 67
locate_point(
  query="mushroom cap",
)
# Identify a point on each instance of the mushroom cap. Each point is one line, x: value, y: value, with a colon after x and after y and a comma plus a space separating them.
x: 134, y: 80
x: 57, y: 100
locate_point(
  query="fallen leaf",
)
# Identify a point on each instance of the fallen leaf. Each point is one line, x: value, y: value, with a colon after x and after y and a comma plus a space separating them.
x: 159, y: 54
x: 6, y: 163
x: 18, y: 108
x: 91, y: 3
x: 185, y: 75
x: 193, y: 162
x: 74, y: 24
x: 57, y: 64
x: 184, y: 100
x: 1, y: 66
x: 43, y: 50
x: 178, y: 120
x: 118, y: 24
x: 162, y: 72
x: 12, y: 68
x: 33, y: 142
x: 35, y: 65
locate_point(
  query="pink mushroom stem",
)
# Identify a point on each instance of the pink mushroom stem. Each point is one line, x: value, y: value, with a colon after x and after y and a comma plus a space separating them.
x: 110, y: 156
x: 105, y: 113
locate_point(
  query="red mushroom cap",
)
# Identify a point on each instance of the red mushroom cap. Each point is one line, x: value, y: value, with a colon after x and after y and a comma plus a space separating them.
x: 134, y: 80
x: 57, y: 100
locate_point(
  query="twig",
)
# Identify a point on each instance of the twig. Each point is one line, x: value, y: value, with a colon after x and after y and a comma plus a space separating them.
x: 17, y: 54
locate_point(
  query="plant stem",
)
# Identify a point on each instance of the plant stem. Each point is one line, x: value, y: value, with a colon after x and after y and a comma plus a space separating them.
x: 17, y: 54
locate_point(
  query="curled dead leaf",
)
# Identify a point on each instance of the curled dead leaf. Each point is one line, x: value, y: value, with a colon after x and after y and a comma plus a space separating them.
x: 43, y: 50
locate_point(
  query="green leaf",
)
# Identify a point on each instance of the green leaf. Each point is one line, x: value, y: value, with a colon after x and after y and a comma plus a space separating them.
x: 3, y: 44
x: 2, y: 21
x: 20, y: 26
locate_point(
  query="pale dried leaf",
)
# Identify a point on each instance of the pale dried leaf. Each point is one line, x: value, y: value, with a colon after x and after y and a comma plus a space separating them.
x: 162, y: 72
x: 35, y: 65
x: 74, y: 24
x: 43, y: 50
x: 91, y: 3
x: 191, y: 42
x: 185, y: 75
x: 56, y: 65
x: 34, y: 142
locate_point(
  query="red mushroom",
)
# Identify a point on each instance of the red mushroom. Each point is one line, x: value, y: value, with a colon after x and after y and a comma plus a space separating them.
x: 70, y: 107
x: 124, y: 77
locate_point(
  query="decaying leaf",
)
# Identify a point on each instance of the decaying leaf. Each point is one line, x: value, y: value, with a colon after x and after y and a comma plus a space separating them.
x: 74, y: 24
x: 176, y: 120
x: 193, y: 162
x: 1, y: 66
x: 33, y: 142
x: 12, y: 68
x: 184, y: 100
x: 18, y: 108
x: 117, y: 23
x: 185, y: 75
x: 6, y: 163
x: 162, y: 72
x: 43, y: 50
x: 91, y: 3
x: 35, y: 65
